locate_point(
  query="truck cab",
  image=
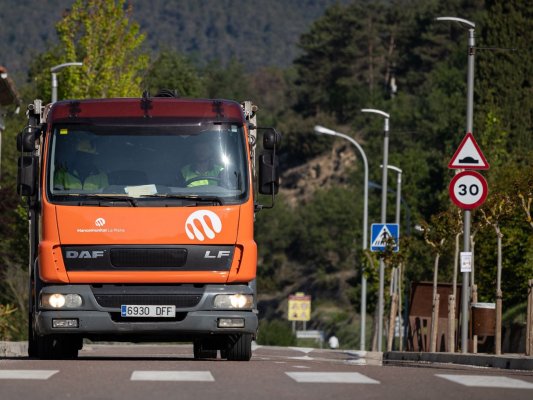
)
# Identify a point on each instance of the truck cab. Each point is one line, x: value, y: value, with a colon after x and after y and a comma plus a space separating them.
x: 141, y: 223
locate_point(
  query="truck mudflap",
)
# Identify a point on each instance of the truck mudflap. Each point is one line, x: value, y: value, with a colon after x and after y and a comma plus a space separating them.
x: 100, y: 312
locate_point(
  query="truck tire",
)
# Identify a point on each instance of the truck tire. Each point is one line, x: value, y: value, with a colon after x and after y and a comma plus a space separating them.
x: 58, y: 347
x: 201, y: 352
x: 239, y: 348
x: 32, y: 343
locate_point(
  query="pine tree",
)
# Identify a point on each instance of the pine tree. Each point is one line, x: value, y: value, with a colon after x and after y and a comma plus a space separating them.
x: 505, y: 76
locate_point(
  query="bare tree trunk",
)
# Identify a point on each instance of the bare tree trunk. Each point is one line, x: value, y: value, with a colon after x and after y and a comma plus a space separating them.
x: 474, y: 337
x: 435, y: 311
x: 452, y: 297
x: 451, y: 323
x: 400, y: 294
x: 529, y: 336
x: 434, y: 324
x: 498, y: 338
x: 375, y: 330
x: 392, y: 321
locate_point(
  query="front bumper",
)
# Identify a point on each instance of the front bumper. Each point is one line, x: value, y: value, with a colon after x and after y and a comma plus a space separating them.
x: 95, y: 321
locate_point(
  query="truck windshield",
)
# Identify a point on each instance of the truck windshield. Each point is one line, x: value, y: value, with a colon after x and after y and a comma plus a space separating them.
x: 149, y: 163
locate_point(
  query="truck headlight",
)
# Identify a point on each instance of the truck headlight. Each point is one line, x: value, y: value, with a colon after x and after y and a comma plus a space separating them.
x: 234, y: 301
x: 58, y: 300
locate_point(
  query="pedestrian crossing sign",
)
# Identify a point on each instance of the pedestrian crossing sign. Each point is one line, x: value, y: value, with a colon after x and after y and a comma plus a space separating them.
x: 382, y: 235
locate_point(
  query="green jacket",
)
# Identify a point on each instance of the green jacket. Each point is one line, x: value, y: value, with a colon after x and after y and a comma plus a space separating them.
x: 189, y: 173
x: 71, y: 181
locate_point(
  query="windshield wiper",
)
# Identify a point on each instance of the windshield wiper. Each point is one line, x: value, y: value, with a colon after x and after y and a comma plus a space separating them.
x: 109, y: 197
x: 191, y: 197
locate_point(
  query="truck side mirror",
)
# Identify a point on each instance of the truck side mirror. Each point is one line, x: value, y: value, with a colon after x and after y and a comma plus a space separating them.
x: 271, y: 139
x: 26, y: 139
x: 269, y: 164
x: 27, y: 175
x: 268, y: 173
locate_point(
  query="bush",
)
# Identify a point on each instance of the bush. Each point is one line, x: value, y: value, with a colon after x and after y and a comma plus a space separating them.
x: 10, y: 323
x: 276, y: 333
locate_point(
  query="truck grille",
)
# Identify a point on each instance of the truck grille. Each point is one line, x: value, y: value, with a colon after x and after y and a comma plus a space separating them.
x: 147, y: 258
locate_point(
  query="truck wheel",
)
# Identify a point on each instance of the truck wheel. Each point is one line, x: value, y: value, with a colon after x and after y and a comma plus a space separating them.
x: 58, y: 347
x: 33, y: 350
x: 200, y: 352
x: 240, y: 348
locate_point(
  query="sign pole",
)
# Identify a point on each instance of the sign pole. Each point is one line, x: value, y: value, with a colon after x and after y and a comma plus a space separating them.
x: 467, y: 216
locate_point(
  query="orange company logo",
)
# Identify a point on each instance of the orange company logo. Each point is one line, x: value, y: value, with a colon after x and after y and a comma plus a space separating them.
x: 203, y: 223
x: 99, y: 222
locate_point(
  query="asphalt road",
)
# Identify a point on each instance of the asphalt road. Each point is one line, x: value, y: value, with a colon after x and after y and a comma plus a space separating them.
x: 149, y: 372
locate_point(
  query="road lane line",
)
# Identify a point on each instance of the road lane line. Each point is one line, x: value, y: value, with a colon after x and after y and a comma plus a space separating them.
x: 181, y: 376
x: 487, y: 381
x: 34, y: 374
x: 330, y: 377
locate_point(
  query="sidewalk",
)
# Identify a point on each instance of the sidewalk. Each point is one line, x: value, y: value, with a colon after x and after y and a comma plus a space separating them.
x: 504, y: 361
x: 13, y: 349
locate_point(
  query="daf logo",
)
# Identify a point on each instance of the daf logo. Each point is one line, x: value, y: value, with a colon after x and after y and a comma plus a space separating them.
x: 99, y: 222
x: 85, y: 254
x: 203, y: 223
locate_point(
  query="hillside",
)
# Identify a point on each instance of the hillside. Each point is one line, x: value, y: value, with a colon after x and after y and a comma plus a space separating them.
x: 256, y: 34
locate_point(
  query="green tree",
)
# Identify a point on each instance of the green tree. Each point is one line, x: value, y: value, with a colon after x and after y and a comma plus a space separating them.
x: 100, y: 34
x: 228, y: 82
x: 172, y: 70
x: 345, y: 59
x: 505, y: 76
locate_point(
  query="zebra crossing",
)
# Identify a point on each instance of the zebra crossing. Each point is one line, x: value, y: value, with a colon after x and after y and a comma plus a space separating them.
x: 303, y: 377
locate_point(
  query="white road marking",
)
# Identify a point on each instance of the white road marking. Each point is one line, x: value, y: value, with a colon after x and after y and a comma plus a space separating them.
x: 304, y: 358
x: 487, y: 381
x: 191, y: 376
x: 305, y: 350
x: 330, y: 377
x: 35, y: 374
x: 301, y: 366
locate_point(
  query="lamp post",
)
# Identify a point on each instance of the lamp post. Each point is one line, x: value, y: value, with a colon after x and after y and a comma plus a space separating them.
x: 396, y: 273
x: 54, y: 70
x: 465, y: 295
x: 398, y: 190
x: 383, y: 216
x: 326, y: 131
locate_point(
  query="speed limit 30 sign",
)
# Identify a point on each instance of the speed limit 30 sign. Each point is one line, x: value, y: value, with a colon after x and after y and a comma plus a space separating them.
x: 468, y: 189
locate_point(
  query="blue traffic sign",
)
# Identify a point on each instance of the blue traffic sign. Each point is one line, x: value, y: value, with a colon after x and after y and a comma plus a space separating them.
x: 381, y: 236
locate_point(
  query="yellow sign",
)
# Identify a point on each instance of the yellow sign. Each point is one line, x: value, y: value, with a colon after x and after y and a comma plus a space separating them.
x: 299, y: 307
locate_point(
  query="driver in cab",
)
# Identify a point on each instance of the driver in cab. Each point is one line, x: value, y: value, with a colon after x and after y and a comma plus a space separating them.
x: 203, y: 170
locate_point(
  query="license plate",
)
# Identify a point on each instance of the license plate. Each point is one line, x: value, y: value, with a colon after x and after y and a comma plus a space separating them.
x: 148, y: 311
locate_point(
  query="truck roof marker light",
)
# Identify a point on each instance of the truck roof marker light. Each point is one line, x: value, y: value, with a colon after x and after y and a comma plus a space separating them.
x: 74, y: 109
x: 218, y: 108
x: 146, y: 104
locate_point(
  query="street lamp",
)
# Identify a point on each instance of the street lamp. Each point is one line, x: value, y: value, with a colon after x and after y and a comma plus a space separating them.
x: 465, y: 293
x: 397, y: 273
x: 398, y: 190
x: 54, y: 70
x: 326, y: 131
x: 383, y: 216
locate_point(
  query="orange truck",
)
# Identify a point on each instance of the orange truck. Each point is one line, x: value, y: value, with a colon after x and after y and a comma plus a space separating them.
x: 141, y: 216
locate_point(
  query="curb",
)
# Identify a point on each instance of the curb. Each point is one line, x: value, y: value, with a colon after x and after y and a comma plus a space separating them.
x: 514, y: 361
x: 13, y: 349
x: 360, y: 357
